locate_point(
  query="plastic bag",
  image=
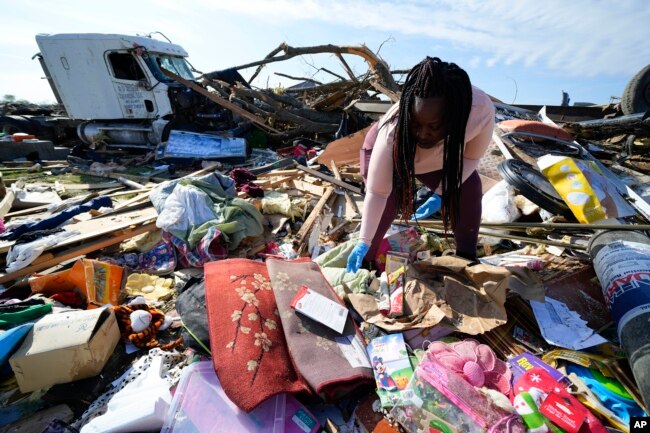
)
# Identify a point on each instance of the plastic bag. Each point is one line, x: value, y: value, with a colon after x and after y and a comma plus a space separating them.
x: 499, y: 204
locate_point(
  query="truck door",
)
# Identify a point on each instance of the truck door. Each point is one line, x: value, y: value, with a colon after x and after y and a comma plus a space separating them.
x: 131, y: 85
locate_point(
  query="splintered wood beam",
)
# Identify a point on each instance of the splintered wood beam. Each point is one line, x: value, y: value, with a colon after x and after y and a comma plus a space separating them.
x: 6, y: 203
x: 330, y: 179
x: 304, y: 231
x: 348, y: 197
x: 219, y: 100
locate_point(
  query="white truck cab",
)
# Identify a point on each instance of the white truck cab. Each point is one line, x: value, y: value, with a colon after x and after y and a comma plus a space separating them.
x: 112, y: 88
x: 108, y: 77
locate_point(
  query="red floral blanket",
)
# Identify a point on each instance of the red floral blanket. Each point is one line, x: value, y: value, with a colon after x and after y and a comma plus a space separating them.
x: 246, y: 337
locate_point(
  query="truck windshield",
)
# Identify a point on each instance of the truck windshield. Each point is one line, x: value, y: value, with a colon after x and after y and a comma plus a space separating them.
x: 175, y: 64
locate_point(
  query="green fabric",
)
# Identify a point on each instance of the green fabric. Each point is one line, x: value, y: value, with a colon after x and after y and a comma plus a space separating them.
x: 357, y: 283
x: 238, y: 221
x: 337, y: 257
x: 236, y: 218
x: 333, y: 263
x: 9, y: 320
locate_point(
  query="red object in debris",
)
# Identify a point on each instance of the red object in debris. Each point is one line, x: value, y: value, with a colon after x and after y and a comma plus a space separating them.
x: 20, y: 136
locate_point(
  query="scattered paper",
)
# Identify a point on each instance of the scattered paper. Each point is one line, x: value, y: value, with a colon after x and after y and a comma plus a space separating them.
x: 563, y: 327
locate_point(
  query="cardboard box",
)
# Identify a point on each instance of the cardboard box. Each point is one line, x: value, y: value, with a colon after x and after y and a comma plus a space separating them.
x: 64, y: 347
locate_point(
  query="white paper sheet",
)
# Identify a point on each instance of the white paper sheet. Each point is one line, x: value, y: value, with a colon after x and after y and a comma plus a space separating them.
x: 563, y: 327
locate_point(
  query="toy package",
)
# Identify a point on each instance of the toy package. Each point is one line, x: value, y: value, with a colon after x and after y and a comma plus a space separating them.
x: 396, y: 292
x: 397, y: 239
x: 391, y: 366
x: 439, y: 400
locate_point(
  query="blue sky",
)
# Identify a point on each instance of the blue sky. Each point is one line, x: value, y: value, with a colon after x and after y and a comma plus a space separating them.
x: 524, y: 51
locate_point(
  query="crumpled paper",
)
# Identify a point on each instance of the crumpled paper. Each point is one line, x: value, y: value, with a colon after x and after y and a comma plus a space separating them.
x: 470, y: 299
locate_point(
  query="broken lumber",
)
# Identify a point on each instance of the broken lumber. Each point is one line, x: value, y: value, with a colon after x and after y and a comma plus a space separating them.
x: 219, y: 100
x: 348, y: 197
x: 304, y: 231
x: 6, y: 203
x: 99, y: 226
x: 330, y: 179
x: 77, y: 251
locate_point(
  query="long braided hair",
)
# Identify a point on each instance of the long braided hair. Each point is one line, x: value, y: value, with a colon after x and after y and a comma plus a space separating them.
x: 433, y: 78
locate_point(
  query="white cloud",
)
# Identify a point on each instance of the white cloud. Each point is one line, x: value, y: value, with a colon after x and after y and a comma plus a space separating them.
x: 559, y: 38
x: 577, y: 38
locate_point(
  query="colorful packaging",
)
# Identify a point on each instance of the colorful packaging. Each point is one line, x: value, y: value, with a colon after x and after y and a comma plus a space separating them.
x: 397, y: 239
x: 391, y: 366
x: 527, y: 361
x: 396, y: 291
x: 563, y: 409
x: 439, y: 400
x: 395, y: 260
x: 384, y: 295
x: 584, y: 188
x: 99, y: 282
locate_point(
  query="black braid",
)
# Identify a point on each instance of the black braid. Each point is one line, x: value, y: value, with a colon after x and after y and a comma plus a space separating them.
x: 433, y: 78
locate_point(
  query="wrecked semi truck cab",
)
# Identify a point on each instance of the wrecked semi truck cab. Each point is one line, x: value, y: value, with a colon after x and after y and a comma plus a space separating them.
x: 113, y: 89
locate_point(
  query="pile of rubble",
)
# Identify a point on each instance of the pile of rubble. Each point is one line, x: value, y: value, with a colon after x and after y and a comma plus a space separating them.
x: 189, y: 291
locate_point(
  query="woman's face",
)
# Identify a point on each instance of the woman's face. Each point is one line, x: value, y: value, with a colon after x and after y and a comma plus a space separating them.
x: 427, y: 122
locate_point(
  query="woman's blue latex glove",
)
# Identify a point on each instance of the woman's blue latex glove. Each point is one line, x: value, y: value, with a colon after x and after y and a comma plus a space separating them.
x: 429, y: 207
x: 356, y: 257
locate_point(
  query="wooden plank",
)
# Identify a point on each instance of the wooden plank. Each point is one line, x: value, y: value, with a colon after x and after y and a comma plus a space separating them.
x: 89, y: 186
x: 219, y: 100
x: 307, y: 187
x: 73, y: 252
x: 109, y: 193
x: 99, y: 226
x: 348, y: 198
x: 345, y: 150
x: 311, y: 219
x: 330, y: 179
x: 278, y: 182
x: 278, y: 173
x: 6, y: 203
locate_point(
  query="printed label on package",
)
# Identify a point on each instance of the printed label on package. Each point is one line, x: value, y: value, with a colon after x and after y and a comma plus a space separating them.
x: 622, y: 268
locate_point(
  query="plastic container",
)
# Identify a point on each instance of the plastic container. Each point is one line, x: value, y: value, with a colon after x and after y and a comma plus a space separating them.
x: 622, y: 263
x: 200, y: 405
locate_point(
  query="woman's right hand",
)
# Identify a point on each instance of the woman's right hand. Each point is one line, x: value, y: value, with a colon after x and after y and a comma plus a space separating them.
x: 356, y: 257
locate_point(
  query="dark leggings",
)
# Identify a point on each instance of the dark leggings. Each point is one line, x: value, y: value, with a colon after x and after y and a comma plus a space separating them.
x: 467, y: 222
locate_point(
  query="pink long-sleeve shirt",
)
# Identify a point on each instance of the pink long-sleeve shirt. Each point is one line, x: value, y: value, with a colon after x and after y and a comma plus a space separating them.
x: 379, y: 183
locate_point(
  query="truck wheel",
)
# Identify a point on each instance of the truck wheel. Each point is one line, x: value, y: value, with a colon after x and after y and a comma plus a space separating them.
x: 11, y: 125
x: 636, y: 96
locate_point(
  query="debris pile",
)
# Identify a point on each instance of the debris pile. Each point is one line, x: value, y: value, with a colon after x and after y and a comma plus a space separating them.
x: 201, y: 285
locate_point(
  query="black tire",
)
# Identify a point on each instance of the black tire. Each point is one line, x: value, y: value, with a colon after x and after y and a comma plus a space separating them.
x: 636, y: 96
x: 533, y: 185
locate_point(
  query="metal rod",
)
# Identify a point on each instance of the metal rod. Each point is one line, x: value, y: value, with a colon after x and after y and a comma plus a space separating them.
x: 508, y: 236
x: 523, y: 239
x: 559, y: 226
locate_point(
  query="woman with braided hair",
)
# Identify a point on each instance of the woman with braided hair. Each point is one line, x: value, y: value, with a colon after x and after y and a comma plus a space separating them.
x: 437, y: 134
